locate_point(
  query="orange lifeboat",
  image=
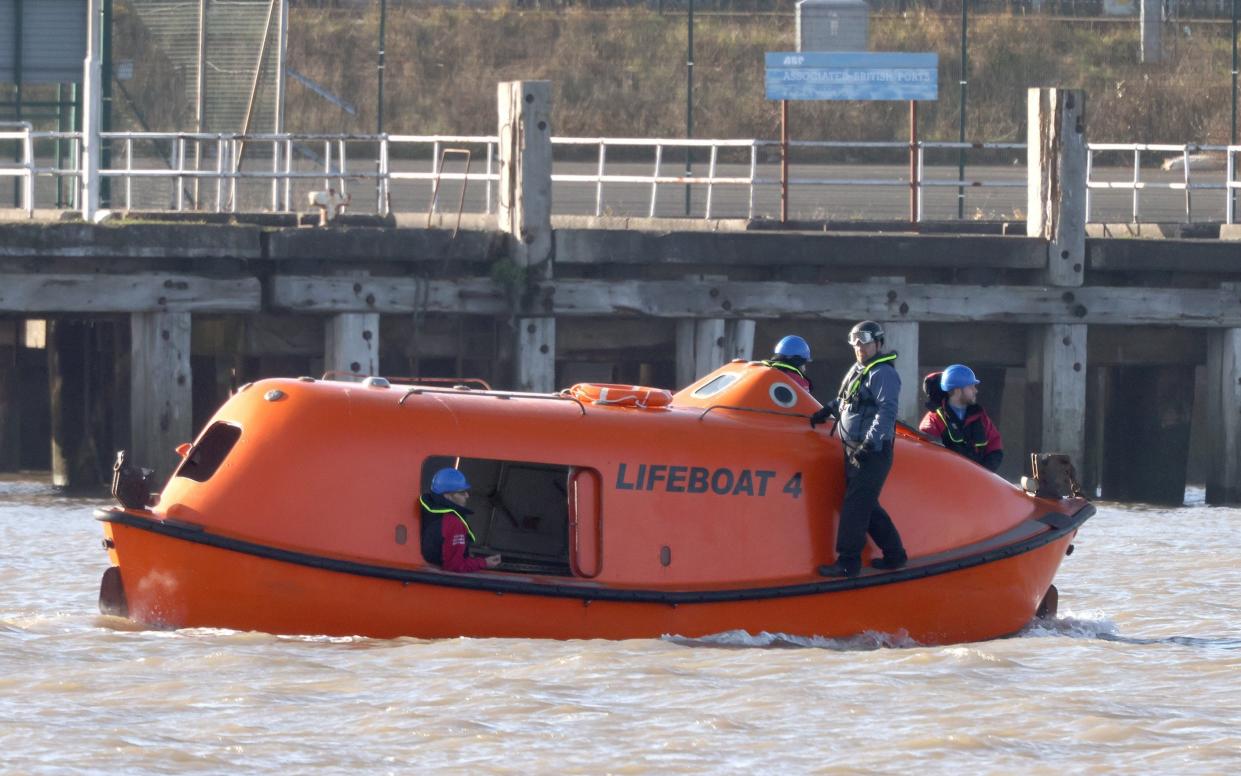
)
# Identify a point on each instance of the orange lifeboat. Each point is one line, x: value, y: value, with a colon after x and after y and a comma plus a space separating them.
x: 619, y: 511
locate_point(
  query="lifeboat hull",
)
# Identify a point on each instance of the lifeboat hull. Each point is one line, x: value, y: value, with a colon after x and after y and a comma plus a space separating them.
x: 617, y: 512
x: 177, y: 577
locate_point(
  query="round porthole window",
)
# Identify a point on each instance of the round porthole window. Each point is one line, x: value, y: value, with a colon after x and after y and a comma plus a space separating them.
x: 783, y: 395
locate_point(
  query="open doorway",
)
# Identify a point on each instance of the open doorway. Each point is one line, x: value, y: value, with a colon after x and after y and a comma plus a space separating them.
x: 520, y: 510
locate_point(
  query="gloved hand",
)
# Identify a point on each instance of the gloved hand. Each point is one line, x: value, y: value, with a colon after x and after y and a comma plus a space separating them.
x: 820, y: 417
x: 858, y: 455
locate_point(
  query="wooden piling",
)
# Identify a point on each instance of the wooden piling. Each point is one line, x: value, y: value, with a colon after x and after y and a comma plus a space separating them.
x: 524, y: 206
x: 524, y: 212
x: 10, y: 416
x: 1223, y: 392
x: 902, y: 337
x: 1064, y: 390
x: 739, y: 340
x: 160, y: 389
x: 1056, y: 190
x: 702, y: 345
x: 76, y: 465
x: 536, y: 355
x: 1147, y: 441
x: 351, y: 343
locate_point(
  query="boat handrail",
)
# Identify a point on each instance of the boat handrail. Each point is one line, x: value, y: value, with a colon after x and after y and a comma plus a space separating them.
x: 497, y: 394
x: 339, y: 375
x: 752, y: 409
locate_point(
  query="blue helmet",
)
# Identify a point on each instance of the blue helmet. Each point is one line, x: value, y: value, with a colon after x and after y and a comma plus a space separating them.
x: 448, y: 481
x: 793, y: 346
x: 957, y: 376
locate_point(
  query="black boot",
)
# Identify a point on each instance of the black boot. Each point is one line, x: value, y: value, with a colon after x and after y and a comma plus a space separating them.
x: 890, y: 561
x: 840, y: 570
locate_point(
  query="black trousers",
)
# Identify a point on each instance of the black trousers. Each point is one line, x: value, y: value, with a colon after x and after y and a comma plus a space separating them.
x: 860, y: 514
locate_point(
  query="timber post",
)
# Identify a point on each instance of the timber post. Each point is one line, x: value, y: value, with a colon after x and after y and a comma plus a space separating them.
x: 10, y: 416
x: 352, y: 343
x: 75, y: 461
x: 160, y: 389
x: 524, y: 210
x: 902, y: 337
x: 1223, y: 394
x: 739, y: 339
x: 1056, y: 183
x: 702, y: 344
x: 1146, y: 439
x: 1056, y: 202
x: 701, y: 347
x: 1063, y: 406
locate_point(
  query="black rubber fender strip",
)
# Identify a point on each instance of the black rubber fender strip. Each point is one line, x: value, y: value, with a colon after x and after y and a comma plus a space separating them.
x: 1057, y: 525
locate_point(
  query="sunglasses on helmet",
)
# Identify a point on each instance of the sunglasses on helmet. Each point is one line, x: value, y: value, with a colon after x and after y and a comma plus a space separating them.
x: 861, y: 338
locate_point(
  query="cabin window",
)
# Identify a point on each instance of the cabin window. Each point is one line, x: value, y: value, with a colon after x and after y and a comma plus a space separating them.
x: 783, y: 395
x: 205, y: 457
x: 715, y: 386
x: 530, y: 513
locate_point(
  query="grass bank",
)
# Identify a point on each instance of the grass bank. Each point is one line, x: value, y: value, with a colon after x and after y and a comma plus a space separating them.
x: 622, y: 73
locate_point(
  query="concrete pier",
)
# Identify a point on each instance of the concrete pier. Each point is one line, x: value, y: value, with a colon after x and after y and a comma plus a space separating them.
x: 1075, y: 336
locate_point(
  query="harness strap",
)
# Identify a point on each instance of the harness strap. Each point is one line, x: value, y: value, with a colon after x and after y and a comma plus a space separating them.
x: 447, y: 511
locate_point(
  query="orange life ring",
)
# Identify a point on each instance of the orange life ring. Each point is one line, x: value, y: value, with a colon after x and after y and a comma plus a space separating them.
x: 621, y: 395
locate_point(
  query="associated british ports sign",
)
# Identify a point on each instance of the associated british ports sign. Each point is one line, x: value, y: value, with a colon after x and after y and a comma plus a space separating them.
x: 851, y: 75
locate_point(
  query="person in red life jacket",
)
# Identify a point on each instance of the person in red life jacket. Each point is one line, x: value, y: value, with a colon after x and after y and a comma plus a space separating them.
x: 955, y: 416
x: 790, y: 357
x: 446, y: 536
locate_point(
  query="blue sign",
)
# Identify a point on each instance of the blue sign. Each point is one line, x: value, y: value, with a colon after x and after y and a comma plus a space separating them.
x: 851, y: 75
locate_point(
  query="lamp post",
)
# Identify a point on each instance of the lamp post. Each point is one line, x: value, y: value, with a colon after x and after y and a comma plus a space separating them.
x: 689, y: 102
x: 965, y: 63
x: 383, y: 16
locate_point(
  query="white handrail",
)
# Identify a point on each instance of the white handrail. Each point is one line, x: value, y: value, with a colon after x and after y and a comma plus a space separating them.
x: 1137, y: 185
x: 26, y: 169
x: 334, y: 168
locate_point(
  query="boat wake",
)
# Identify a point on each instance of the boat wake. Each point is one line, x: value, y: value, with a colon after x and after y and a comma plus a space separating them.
x: 1106, y: 630
x: 740, y: 639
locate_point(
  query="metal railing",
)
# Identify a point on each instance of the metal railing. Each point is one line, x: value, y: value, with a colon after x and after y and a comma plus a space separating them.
x: 329, y: 155
x: 1189, y: 158
x: 25, y: 168
x: 753, y: 179
x: 205, y: 170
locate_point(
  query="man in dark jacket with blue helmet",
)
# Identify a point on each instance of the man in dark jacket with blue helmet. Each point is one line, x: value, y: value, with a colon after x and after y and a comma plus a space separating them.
x: 446, y: 536
x: 867, y: 406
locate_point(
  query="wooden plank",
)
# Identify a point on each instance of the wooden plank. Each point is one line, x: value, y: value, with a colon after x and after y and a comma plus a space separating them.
x: 925, y: 303
x: 1182, y: 256
x: 126, y: 293
x: 872, y: 251
x: 406, y: 246
x: 160, y: 393
x: 156, y: 241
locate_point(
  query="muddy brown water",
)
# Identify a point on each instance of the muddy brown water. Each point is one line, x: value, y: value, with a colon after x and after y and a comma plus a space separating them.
x: 1139, y: 673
